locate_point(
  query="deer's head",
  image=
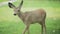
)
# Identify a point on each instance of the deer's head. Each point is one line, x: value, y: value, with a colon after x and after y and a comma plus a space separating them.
x: 16, y: 9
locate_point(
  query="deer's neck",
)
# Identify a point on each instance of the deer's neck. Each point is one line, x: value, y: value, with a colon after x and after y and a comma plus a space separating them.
x: 20, y: 15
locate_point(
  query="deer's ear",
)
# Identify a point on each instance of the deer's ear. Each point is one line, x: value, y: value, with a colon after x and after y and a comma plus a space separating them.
x: 11, y: 5
x: 21, y: 4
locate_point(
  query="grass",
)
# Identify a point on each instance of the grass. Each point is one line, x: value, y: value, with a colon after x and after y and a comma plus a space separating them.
x: 12, y: 27
x: 3, y: 0
x: 10, y: 24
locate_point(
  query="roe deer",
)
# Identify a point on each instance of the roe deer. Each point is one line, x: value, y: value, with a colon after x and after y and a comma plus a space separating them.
x: 31, y: 17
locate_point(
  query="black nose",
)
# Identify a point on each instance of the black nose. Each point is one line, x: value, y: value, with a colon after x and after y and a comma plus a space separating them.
x: 14, y: 14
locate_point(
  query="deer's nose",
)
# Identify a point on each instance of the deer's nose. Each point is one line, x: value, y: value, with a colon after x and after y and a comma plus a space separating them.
x: 15, y: 14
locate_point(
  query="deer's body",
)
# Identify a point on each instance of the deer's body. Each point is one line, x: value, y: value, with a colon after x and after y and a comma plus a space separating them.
x: 30, y: 17
x: 36, y: 16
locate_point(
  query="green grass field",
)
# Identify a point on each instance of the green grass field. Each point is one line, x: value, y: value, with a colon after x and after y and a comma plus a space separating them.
x: 10, y: 24
x: 3, y: 0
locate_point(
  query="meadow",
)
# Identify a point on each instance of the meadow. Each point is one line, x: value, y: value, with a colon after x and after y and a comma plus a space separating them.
x: 10, y: 24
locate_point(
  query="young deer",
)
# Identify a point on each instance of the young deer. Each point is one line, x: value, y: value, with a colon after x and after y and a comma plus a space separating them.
x: 30, y: 17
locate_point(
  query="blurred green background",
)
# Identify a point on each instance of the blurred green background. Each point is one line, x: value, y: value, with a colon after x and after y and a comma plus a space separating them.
x: 10, y: 24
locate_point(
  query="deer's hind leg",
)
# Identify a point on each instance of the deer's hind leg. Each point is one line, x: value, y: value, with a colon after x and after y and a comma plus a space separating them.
x: 43, y: 27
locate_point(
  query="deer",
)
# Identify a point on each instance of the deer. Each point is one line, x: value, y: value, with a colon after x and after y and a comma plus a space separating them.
x: 30, y: 17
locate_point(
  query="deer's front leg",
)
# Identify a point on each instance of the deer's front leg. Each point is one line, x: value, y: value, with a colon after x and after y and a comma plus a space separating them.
x: 26, y: 29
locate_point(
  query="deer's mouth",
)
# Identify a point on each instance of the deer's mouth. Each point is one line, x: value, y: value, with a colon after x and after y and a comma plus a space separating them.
x: 14, y: 14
